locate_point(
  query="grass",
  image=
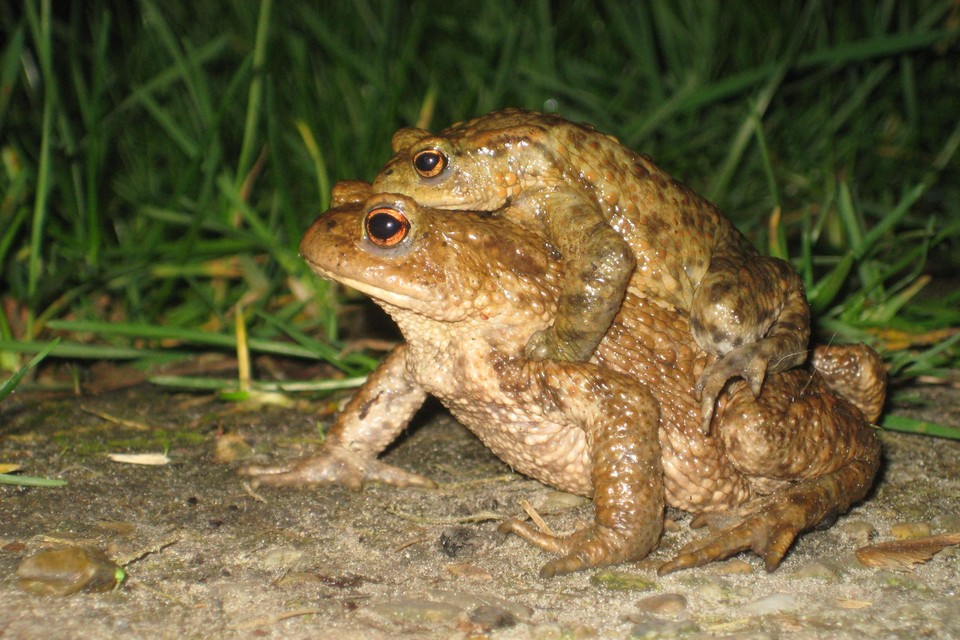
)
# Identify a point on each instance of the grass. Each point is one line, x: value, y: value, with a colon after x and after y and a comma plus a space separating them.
x: 162, y: 159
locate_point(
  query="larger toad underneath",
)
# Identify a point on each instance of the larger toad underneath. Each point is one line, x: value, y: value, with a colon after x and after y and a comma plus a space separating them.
x: 468, y: 291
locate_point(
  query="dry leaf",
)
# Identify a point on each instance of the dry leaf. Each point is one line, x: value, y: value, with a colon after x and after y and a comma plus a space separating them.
x: 9, y: 467
x: 903, y: 554
x: 149, y: 459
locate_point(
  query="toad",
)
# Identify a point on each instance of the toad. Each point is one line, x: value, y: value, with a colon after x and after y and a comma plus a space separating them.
x: 619, y: 222
x: 468, y: 291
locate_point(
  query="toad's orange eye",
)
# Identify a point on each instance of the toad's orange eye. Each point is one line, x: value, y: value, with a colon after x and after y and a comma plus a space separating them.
x: 429, y: 163
x: 386, y: 227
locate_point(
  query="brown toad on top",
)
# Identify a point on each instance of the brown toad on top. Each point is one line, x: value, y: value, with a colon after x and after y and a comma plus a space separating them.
x: 617, y: 220
x: 468, y: 291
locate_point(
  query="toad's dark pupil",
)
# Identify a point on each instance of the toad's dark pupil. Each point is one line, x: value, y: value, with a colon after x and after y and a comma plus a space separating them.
x: 383, y: 226
x: 427, y: 161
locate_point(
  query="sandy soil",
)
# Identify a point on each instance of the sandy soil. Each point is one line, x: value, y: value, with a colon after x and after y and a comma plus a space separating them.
x: 206, y: 557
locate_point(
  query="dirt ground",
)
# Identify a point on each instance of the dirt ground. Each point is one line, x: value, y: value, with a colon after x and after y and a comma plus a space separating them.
x: 206, y: 557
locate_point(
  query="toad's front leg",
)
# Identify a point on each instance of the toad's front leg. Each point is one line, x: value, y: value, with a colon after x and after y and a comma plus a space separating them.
x: 372, y: 419
x: 620, y: 419
x: 752, y: 311
x: 598, y: 264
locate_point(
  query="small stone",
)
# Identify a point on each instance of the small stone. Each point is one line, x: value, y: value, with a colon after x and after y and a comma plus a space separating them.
x: 908, y: 530
x: 860, y: 531
x: 281, y: 557
x: 67, y: 570
x: 708, y: 587
x: 663, y: 603
x: 771, y: 604
x: 491, y: 617
x: 561, y: 501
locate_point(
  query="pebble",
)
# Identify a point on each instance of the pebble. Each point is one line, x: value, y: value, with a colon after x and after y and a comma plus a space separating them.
x: 908, y: 530
x: 860, y: 531
x: 491, y: 617
x: 663, y: 603
x: 771, y: 604
x: 709, y: 587
x: 561, y: 500
x: 66, y: 570
x: 281, y: 557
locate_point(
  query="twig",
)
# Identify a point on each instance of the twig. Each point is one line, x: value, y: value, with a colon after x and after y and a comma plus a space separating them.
x: 482, y: 516
x: 537, y: 519
x: 130, y: 424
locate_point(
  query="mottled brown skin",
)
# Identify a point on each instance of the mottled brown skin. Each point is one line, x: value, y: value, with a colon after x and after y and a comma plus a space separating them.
x: 619, y: 222
x: 468, y: 291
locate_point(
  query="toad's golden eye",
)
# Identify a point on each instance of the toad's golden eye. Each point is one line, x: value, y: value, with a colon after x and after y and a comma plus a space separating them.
x: 429, y: 163
x: 386, y: 227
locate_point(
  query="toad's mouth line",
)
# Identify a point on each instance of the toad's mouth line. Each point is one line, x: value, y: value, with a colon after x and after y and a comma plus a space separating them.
x: 402, y: 300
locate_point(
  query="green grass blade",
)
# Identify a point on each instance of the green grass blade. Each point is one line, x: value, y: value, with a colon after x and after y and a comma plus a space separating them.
x: 217, y: 384
x: 41, y: 28
x: 255, y: 94
x: 909, y: 425
x: 30, y: 481
x: 11, y: 383
x: 190, y: 336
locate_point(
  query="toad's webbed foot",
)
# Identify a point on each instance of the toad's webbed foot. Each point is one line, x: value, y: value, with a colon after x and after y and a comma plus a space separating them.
x: 770, y: 525
x: 768, y: 533
x: 751, y: 362
x: 335, y: 467
x: 591, y: 546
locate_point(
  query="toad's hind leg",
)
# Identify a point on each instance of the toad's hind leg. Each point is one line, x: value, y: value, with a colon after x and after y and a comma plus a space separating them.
x: 620, y: 419
x: 814, y: 449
